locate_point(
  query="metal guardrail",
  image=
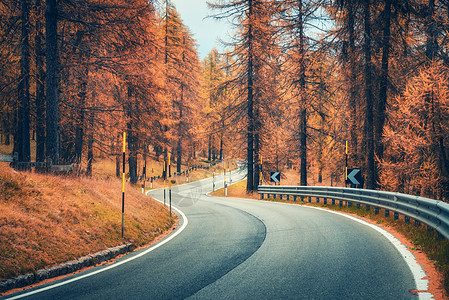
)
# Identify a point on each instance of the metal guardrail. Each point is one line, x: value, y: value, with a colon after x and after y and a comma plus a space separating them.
x: 434, y: 213
x: 193, y: 168
x: 6, y: 158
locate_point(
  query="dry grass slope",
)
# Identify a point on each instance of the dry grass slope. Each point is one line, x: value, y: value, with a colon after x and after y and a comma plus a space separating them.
x: 47, y: 220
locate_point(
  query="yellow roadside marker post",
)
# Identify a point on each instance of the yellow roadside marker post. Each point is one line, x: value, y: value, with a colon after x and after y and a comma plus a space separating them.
x: 123, y: 187
x: 169, y: 181
x: 346, y: 163
x: 165, y: 176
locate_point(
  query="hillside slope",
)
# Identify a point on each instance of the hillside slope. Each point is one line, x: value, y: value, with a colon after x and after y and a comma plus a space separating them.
x: 47, y: 220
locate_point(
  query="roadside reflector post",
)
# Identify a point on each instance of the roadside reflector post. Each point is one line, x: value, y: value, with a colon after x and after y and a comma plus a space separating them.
x: 165, y: 175
x: 224, y: 179
x: 144, y: 176
x: 123, y: 185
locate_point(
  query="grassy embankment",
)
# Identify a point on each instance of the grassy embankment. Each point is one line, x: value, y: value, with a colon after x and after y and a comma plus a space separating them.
x: 418, y: 238
x: 47, y: 220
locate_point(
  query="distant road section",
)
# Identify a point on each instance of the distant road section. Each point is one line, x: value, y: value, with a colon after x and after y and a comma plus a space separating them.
x: 247, y: 249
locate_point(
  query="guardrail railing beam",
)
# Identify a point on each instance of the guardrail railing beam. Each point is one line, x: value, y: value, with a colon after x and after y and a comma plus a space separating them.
x: 433, y: 213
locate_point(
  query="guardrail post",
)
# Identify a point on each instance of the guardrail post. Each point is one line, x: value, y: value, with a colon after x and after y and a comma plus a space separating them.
x: 317, y: 199
x: 368, y: 207
x: 261, y: 196
x: 376, y: 210
x: 429, y: 229
x: 417, y: 223
x: 387, y: 213
x: 310, y: 199
x: 349, y: 204
x: 341, y: 203
x: 333, y: 201
x: 325, y: 200
x: 302, y: 198
x: 274, y: 196
x: 280, y: 196
x: 407, y: 219
x: 358, y: 205
x: 294, y: 198
x: 288, y: 197
x: 396, y: 215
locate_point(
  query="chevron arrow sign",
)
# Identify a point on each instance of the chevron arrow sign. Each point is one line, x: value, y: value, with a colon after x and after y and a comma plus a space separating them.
x: 275, y: 177
x: 354, y: 177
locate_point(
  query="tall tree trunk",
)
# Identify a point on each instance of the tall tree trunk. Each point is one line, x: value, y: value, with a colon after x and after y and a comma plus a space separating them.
x: 179, y: 156
x: 132, y: 138
x: 52, y: 140
x: 302, y: 100
x: 221, y: 147
x: 431, y: 32
x: 381, y: 105
x: 257, y: 132
x: 79, y: 126
x: 209, y: 150
x: 250, y: 105
x: 90, y: 145
x: 118, y: 156
x: 180, y: 134
x: 82, y: 93
x: 23, y: 136
x: 369, y: 98
x: 40, y: 84
x: 353, y: 92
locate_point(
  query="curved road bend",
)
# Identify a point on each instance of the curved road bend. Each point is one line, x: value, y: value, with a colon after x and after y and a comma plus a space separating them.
x: 246, y: 249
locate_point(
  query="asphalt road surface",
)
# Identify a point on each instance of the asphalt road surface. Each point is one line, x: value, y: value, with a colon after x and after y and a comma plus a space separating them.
x: 229, y: 248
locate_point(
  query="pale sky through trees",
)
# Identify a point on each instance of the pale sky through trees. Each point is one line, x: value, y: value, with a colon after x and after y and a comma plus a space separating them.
x: 206, y: 31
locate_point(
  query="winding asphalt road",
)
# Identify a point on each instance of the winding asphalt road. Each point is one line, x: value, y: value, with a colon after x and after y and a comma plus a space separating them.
x: 228, y: 248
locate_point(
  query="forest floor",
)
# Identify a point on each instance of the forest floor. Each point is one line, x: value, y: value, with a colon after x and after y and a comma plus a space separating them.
x: 431, y: 251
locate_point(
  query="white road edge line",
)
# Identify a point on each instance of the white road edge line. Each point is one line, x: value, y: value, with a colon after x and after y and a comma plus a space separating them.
x: 152, y: 248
